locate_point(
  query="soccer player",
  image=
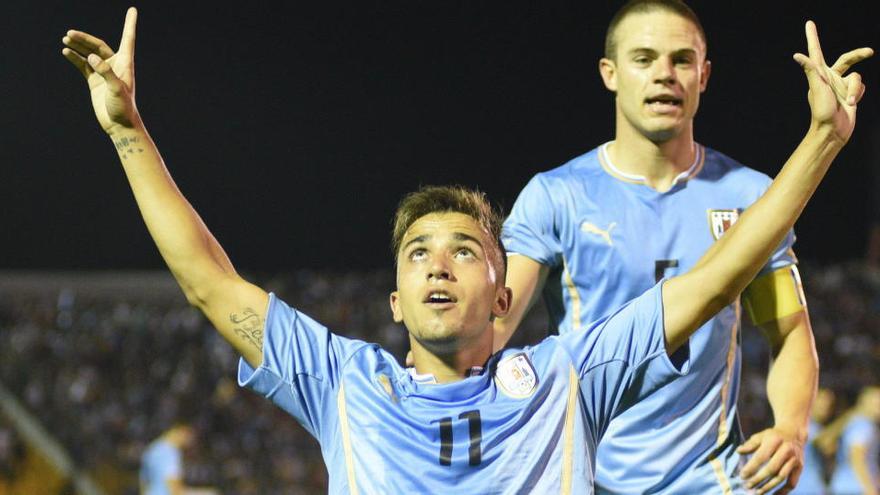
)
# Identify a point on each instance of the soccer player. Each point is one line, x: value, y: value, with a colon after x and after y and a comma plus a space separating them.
x: 604, y: 227
x: 465, y: 419
x: 857, y: 470
x: 812, y: 480
x: 162, y: 464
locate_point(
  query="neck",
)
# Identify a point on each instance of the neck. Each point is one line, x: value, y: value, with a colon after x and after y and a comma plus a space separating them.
x: 452, y: 366
x: 660, y: 162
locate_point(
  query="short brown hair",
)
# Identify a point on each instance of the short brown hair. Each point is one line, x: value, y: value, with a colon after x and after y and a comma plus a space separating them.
x: 451, y: 199
x: 643, y: 7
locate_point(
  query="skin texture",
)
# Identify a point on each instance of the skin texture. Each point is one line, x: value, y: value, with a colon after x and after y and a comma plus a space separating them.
x: 449, y: 254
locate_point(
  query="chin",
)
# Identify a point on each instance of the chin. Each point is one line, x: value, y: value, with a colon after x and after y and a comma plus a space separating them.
x: 661, y: 134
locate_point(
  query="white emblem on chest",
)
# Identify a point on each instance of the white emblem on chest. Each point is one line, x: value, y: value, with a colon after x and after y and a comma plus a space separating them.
x: 516, y: 376
x: 605, y: 234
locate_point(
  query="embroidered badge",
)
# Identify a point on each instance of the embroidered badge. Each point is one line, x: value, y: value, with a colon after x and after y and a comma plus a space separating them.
x: 516, y: 376
x: 721, y: 220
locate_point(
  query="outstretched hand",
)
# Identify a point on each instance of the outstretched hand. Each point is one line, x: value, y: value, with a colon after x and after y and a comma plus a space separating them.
x: 110, y: 74
x: 833, y: 95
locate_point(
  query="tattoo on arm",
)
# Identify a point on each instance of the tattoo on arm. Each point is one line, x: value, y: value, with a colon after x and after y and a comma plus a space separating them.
x: 128, y: 146
x: 249, y: 326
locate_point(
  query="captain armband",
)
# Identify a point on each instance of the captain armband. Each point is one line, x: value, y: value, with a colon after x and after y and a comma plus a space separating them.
x: 775, y: 295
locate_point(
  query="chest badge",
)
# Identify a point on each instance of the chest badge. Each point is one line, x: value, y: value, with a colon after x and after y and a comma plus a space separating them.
x: 605, y: 234
x: 721, y: 220
x: 516, y: 376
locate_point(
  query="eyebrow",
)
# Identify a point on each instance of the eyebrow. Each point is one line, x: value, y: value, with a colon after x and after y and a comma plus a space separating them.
x: 458, y: 236
x: 651, y: 51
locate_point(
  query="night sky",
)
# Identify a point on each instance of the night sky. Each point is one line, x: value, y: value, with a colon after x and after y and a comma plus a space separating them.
x: 295, y: 128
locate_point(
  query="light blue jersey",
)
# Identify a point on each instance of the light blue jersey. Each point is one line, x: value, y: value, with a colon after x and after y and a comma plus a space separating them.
x: 812, y: 480
x: 160, y: 462
x: 528, y: 424
x: 863, y: 432
x: 607, y: 237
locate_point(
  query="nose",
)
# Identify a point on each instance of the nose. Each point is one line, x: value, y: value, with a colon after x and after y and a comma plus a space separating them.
x: 664, y: 71
x: 439, y: 270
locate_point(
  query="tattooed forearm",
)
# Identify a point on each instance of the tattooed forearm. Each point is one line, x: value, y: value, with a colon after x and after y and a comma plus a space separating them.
x: 249, y: 326
x: 128, y: 146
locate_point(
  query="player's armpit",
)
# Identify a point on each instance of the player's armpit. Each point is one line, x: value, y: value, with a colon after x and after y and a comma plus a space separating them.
x: 237, y: 309
x: 774, y: 296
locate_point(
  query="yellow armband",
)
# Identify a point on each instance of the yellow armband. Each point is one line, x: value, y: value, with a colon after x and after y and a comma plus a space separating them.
x: 774, y: 295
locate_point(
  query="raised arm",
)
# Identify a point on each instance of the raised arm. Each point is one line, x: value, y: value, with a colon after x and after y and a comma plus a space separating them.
x: 732, y: 262
x: 198, y: 262
x: 526, y: 278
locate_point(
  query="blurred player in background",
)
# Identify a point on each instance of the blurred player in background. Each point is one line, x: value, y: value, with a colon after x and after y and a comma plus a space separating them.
x: 162, y: 463
x: 601, y: 229
x: 812, y: 481
x: 858, y: 451
x: 464, y: 418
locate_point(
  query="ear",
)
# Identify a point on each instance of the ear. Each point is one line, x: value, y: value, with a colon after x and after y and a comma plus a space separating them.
x: 503, y: 299
x: 396, y: 311
x: 704, y: 75
x: 608, y: 71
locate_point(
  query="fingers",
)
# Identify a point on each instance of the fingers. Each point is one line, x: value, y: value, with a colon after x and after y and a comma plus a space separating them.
x: 114, y: 85
x: 854, y: 88
x: 784, y: 475
x: 850, y: 58
x: 750, y: 445
x: 84, y: 44
x: 775, y: 471
x: 78, y: 61
x: 765, y: 450
x: 126, y: 46
x: 814, y: 49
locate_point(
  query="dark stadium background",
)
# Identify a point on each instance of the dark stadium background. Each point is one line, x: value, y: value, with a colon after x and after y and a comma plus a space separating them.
x: 294, y: 127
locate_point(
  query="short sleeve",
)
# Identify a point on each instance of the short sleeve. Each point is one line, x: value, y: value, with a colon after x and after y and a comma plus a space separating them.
x: 530, y: 230
x: 301, y: 366
x: 622, y: 358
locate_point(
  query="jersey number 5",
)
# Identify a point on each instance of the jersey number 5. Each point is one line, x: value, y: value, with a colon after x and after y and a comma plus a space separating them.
x: 660, y: 267
x: 475, y: 428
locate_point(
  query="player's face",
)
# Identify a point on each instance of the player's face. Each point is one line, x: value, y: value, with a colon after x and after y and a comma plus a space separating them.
x: 659, y: 73
x: 447, y: 286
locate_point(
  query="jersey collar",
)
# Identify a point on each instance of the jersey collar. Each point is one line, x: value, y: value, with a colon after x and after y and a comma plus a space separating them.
x: 608, y: 166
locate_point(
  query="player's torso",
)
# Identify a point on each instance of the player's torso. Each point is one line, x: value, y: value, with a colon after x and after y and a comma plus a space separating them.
x: 479, y: 435
x: 622, y: 238
x: 845, y: 479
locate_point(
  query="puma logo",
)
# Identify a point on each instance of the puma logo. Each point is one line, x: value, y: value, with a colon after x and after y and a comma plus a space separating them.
x: 603, y: 233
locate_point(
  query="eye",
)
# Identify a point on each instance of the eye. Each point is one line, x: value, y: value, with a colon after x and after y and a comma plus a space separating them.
x: 464, y: 253
x: 417, y: 254
x: 683, y: 61
x: 642, y: 60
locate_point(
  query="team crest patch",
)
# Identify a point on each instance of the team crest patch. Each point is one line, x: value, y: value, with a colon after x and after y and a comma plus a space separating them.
x: 721, y: 220
x: 516, y: 376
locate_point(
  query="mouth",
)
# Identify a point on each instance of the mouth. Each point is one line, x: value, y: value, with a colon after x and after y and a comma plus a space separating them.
x: 440, y: 299
x: 664, y: 103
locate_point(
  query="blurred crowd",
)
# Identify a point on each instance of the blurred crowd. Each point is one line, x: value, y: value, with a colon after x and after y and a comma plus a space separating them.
x: 106, y: 376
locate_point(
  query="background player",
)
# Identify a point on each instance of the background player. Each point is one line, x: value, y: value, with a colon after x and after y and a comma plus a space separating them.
x: 531, y: 419
x: 162, y: 463
x: 858, y: 452
x: 601, y: 229
x: 812, y: 480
